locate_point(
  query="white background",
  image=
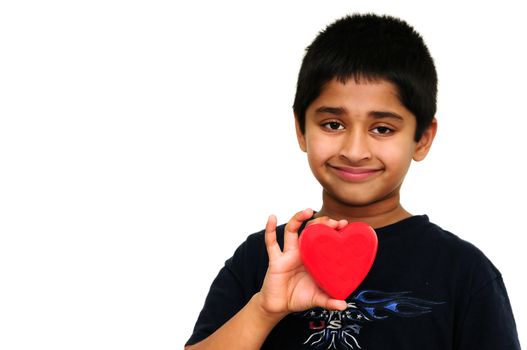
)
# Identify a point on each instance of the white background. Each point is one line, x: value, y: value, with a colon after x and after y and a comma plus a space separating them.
x: 142, y: 141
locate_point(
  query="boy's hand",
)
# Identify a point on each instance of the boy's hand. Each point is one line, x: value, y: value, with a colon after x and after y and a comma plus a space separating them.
x: 287, y: 286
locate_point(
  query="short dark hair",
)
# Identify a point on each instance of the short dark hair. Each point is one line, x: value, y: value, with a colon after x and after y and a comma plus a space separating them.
x: 371, y: 47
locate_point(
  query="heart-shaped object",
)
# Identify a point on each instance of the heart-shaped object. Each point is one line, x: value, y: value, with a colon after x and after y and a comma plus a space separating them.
x: 338, y: 260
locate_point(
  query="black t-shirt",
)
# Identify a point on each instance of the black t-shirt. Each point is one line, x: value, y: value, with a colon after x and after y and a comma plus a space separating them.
x: 427, y: 289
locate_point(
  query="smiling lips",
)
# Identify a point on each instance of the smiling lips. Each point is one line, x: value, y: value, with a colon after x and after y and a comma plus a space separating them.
x: 355, y: 174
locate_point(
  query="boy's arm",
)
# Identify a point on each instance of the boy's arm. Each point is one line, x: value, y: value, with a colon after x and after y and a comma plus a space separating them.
x: 248, y: 329
x: 287, y: 288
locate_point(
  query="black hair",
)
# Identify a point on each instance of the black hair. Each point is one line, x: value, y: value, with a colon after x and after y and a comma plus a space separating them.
x: 370, y: 47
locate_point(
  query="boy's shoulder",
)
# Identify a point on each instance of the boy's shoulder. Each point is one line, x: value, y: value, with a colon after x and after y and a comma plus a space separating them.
x: 444, y: 248
x: 420, y: 229
x: 446, y: 239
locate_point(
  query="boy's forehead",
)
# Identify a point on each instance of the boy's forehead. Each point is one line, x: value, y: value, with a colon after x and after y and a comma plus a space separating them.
x: 358, y: 94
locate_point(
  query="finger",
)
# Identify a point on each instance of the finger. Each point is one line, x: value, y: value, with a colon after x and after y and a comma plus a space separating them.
x: 291, y: 229
x: 324, y: 301
x: 342, y: 223
x: 296, y: 221
x: 325, y: 220
x: 273, y: 249
x: 334, y: 304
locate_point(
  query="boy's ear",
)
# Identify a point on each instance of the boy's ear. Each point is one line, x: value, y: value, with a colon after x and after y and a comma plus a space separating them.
x: 299, y: 136
x: 424, y: 144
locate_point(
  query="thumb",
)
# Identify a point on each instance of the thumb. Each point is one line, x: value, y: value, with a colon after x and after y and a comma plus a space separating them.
x: 323, y: 300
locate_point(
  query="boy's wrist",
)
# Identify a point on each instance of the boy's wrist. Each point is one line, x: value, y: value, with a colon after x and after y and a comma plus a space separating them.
x: 266, y: 315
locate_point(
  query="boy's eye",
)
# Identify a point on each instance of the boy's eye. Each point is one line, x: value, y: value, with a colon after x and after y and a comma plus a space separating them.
x: 383, y: 130
x: 333, y: 126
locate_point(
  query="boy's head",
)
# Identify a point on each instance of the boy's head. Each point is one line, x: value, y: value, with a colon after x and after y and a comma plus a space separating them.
x: 372, y: 48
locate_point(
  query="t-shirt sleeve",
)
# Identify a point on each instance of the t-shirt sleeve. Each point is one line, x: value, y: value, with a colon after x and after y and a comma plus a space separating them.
x: 232, y: 288
x: 489, y: 321
x: 222, y: 302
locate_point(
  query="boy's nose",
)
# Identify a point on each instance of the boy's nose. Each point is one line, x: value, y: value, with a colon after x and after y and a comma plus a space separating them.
x: 355, y: 148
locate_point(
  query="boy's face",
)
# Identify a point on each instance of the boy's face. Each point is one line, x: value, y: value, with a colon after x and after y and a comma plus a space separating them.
x: 359, y: 140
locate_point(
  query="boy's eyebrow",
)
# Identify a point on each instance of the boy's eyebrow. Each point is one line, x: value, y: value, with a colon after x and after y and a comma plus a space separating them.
x: 374, y: 114
x: 381, y: 114
x: 330, y: 110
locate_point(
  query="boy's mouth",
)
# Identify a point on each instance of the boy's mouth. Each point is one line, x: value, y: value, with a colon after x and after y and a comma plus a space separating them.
x: 355, y: 174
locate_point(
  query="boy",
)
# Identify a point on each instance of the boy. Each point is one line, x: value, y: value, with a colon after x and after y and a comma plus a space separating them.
x: 364, y: 109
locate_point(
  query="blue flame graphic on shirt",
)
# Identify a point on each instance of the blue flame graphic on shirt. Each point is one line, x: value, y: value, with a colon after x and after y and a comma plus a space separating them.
x: 340, y: 329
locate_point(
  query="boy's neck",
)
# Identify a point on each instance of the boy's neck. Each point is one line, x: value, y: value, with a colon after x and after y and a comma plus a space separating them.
x: 379, y: 214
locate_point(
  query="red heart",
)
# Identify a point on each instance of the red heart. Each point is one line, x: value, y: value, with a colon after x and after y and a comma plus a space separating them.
x: 338, y: 260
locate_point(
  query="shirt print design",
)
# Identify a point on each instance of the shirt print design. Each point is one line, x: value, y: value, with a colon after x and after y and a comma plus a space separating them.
x: 341, y: 329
